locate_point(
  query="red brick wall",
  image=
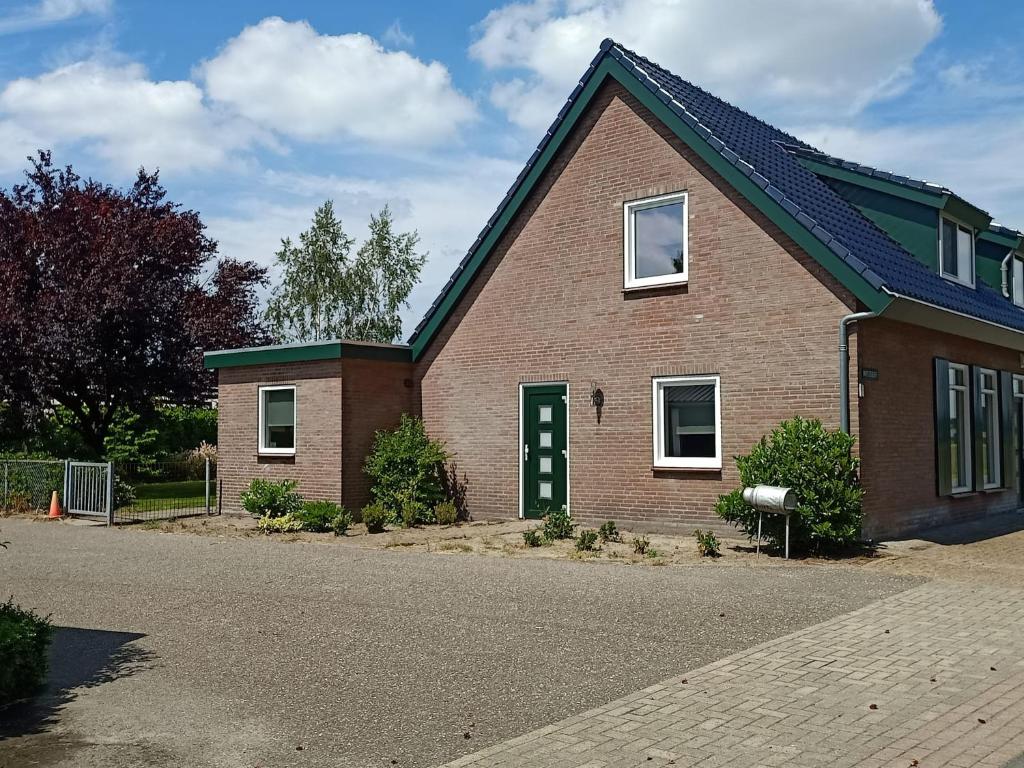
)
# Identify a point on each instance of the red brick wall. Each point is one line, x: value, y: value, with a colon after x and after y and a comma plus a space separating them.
x: 549, y: 306
x: 317, y: 460
x: 374, y: 396
x: 898, y: 426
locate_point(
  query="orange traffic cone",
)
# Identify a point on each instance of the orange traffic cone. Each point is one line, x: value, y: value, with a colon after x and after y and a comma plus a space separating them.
x: 54, y: 507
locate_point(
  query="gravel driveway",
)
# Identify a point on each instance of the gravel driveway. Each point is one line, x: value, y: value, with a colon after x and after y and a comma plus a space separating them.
x: 203, y: 651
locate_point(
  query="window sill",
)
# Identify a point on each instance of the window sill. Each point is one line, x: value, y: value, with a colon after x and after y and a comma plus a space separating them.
x: 955, y: 279
x: 670, y: 468
x: 679, y: 285
x: 275, y: 454
x: 962, y: 494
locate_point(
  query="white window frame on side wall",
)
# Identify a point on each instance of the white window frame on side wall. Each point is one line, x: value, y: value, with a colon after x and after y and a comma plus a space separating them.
x: 967, y: 433
x: 1017, y: 279
x: 263, y: 450
x: 957, y: 278
x: 994, y: 426
x: 629, y: 241
x: 661, y: 461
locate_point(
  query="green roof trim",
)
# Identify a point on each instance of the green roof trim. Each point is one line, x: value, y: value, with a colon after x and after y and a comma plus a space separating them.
x: 942, y: 199
x: 1003, y: 238
x: 304, y: 352
x: 873, y: 298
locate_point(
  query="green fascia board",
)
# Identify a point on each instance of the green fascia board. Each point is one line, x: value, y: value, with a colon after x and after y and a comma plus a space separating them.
x: 875, y: 300
x: 1006, y: 241
x: 945, y: 201
x: 305, y: 352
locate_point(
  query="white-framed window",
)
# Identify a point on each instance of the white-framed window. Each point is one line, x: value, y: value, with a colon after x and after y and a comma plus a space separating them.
x: 655, y: 248
x: 687, y: 422
x: 1017, y: 279
x: 277, y: 420
x: 960, y: 428
x: 988, y: 425
x: 956, y: 251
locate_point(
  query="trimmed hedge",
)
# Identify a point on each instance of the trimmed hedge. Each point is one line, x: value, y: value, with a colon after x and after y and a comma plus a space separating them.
x: 24, y: 645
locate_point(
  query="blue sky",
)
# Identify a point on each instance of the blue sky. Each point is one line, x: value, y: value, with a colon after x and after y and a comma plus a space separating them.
x: 255, y: 112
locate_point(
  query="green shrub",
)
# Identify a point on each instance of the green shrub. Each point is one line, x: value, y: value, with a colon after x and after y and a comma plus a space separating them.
x: 707, y: 543
x: 532, y: 538
x: 24, y: 643
x: 407, y: 467
x: 608, y: 532
x: 270, y: 498
x: 412, y: 513
x: 376, y: 518
x: 557, y: 525
x: 288, y: 523
x: 318, y: 516
x: 820, y: 467
x: 640, y: 545
x: 341, y: 522
x: 445, y: 513
x: 124, y: 492
x: 586, y: 541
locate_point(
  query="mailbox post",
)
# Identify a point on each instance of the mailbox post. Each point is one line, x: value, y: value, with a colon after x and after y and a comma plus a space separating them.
x: 774, y: 501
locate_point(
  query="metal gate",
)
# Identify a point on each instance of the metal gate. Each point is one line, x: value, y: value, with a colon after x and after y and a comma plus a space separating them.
x: 89, y: 490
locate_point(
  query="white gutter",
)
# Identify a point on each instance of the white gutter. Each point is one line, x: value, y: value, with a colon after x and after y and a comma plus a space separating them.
x: 1003, y: 270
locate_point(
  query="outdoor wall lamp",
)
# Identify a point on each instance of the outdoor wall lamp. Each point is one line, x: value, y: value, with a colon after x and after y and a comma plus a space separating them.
x: 596, y: 399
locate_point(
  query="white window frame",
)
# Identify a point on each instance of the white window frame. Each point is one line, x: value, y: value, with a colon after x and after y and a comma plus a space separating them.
x: 995, y: 440
x: 967, y: 432
x: 266, y: 450
x: 959, y: 225
x: 630, y: 280
x: 661, y: 461
x: 1016, y: 291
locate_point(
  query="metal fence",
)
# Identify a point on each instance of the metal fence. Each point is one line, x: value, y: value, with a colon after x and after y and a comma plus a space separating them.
x: 165, y: 490
x: 27, y: 485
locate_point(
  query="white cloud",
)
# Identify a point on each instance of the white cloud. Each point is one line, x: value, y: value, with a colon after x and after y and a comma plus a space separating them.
x: 47, y: 12
x: 287, y: 77
x: 121, y: 116
x: 978, y: 159
x: 447, y: 203
x: 398, y: 37
x: 797, y: 56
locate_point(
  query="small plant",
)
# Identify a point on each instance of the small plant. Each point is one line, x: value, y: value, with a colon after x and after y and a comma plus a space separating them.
x: 317, y: 516
x: 375, y: 518
x: 283, y: 524
x: 446, y: 513
x: 412, y: 513
x: 532, y: 537
x: 124, y: 493
x: 586, y: 541
x: 707, y: 543
x: 640, y: 545
x: 608, y: 532
x: 24, y: 641
x: 341, y: 522
x: 271, y: 498
x: 557, y: 525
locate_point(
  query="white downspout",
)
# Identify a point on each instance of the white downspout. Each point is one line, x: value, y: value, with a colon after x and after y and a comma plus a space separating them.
x: 1004, y: 268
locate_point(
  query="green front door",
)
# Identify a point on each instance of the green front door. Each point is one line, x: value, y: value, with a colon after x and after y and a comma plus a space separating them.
x: 545, y: 449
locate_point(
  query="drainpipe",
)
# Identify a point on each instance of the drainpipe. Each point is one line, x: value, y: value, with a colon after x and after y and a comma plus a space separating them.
x: 844, y: 366
x: 1004, y: 270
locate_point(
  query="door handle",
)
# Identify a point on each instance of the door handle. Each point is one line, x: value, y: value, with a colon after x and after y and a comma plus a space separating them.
x: 526, y: 452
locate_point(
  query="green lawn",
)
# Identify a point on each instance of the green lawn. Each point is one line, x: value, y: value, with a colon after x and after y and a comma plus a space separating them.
x: 184, y: 494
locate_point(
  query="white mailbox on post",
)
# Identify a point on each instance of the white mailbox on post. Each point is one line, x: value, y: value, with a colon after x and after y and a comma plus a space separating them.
x: 773, y: 500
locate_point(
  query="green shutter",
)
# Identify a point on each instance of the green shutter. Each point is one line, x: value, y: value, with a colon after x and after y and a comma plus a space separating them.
x: 1008, y: 428
x: 943, y: 471
x: 978, y: 443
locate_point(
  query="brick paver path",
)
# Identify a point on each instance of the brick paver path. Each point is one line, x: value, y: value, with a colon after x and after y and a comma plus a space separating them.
x: 933, y: 675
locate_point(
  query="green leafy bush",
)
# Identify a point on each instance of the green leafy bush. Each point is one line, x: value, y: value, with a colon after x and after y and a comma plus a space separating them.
x: 586, y: 541
x: 820, y: 467
x: 24, y: 643
x: 707, y: 543
x: 341, y: 522
x: 608, y: 532
x: 407, y: 468
x: 445, y: 513
x: 557, y: 525
x: 532, y: 538
x: 124, y: 492
x: 287, y: 523
x: 317, y: 516
x: 412, y: 513
x: 640, y: 545
x: 376, y: 518
x: 271, y: 498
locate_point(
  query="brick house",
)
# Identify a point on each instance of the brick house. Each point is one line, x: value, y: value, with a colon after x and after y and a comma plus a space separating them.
x: 667, y: 279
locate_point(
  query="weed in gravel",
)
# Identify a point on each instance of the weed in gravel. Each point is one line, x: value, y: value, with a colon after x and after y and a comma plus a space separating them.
x: 640, y: 545
x: 707, y: 543
x: 532, y: 537
x: 586, y: 541
x: 454, y: 546
x: 557, y: 525
x: 608, y: 532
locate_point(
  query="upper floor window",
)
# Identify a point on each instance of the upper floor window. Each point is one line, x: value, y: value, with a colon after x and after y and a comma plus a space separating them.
x: 1017, y: 280
x: 956, y: 252
x: 655, y: 241
x: 277, y: 420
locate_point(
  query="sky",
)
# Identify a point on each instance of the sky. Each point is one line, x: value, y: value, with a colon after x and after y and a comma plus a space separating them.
x: 255, y: 112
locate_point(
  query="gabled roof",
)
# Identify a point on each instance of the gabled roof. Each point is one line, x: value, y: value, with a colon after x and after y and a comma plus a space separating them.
x: 762, y: 163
